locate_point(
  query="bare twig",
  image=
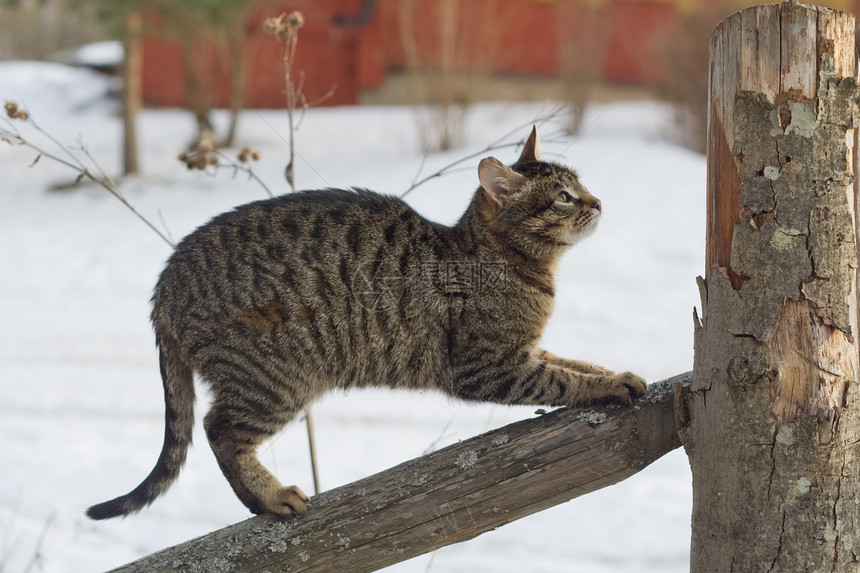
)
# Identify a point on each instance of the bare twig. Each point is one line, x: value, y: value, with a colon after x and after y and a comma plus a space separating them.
x: 286, y: 29
x: 299, y: 155
x: 12, y: 136
x: 12, y: 544
x: 244, y: 167
x: 313, y: 450
x: 36, y: 559
x: 322, y: 99
x: 501, y: 143
x: 442, y: 436
x: 164, y: 224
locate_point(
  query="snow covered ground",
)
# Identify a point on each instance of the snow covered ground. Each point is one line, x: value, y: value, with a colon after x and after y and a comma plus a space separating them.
x: 81, y: 405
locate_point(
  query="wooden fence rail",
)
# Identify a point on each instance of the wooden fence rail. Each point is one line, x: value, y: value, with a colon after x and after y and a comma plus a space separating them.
x: 448, y: 496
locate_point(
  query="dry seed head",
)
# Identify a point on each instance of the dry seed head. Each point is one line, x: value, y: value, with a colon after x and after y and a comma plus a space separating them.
x: 273, y: 26
x: 13, y: 112
x: 198, y: 159
x: 296, y: 20
x: 284, y: 27
x: 248, y: 154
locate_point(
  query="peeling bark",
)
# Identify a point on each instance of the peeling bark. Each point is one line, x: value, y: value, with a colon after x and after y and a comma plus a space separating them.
x: 774, y: 416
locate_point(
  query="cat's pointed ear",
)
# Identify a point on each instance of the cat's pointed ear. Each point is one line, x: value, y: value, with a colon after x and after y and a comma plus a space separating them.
x: 531, y: 150
x: 498, y: 181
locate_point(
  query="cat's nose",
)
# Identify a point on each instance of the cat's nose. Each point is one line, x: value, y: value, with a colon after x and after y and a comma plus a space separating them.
x: 590, y: 200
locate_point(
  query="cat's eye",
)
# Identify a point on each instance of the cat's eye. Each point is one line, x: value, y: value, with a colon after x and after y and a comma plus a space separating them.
x: 564, y: 197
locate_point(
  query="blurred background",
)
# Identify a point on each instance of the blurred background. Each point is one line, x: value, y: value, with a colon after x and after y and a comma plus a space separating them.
x: 446, y: 54
x: 402, y: 90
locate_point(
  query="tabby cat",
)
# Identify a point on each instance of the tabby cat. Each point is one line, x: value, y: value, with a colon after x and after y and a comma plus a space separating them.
x: 279, y: 301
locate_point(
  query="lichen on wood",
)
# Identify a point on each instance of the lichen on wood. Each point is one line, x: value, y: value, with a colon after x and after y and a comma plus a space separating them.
x: 796, y: 230
x: 795, y: 244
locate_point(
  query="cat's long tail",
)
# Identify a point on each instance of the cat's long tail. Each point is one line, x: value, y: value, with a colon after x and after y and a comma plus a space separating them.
x: 178, y: 425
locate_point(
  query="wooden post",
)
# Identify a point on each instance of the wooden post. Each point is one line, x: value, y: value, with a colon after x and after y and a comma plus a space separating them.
x: 132, y: 91
x: 450, y: 495
x: 774, y: 409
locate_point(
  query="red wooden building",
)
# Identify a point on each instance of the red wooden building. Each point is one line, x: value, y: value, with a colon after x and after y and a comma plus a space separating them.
x: 355, y: 44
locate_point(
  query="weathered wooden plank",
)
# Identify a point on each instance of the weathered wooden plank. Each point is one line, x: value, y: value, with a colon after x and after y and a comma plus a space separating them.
x: 447, y: 496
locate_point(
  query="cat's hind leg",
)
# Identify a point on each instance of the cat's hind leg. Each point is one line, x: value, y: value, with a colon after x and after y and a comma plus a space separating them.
x: 234, y: 439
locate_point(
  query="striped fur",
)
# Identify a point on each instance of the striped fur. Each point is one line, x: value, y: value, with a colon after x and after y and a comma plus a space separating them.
x: 279, y: 301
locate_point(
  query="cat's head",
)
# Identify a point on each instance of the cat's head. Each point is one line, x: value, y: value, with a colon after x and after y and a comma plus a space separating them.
x: 539, y: 205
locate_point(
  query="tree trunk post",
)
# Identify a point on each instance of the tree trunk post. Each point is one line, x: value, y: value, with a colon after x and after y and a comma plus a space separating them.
x: 772, y: 426
x: 132, y: 73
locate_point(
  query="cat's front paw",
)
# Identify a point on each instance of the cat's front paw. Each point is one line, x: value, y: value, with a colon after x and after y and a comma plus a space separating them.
x: 625, y: 387
x: 287, y: 502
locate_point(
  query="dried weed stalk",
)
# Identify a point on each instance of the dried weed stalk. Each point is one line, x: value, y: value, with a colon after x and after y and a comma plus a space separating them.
x: 285, y: 29
x: 86, y: 167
